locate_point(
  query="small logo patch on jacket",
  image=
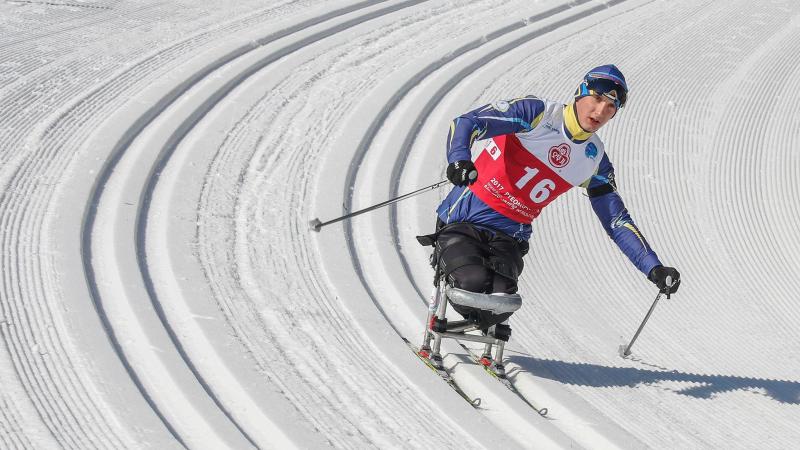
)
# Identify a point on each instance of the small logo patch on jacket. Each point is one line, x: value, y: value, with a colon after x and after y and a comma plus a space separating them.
x: 501, y: 105
x: 591, y: 151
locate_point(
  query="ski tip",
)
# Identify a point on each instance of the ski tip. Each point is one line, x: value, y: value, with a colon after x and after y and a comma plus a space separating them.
x: 315, y: 225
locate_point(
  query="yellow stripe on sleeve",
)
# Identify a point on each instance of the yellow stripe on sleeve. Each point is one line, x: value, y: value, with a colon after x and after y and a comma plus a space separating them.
x: 537, y: 119
x: 475, y: 134
x: 637, y: 233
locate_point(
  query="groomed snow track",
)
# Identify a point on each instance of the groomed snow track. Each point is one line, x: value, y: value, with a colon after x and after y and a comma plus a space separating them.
x: 161, y: 288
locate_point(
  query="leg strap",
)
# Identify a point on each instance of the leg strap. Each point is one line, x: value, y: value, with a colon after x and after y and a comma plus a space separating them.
x: 503, y: 266
x: 496, y: 264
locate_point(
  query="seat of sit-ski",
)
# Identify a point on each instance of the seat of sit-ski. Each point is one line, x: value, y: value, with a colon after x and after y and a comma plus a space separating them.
x: 499, y: 303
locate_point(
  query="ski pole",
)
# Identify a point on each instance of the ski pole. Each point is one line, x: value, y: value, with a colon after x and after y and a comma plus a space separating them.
x: 316, y: 224
x: 625, y: 351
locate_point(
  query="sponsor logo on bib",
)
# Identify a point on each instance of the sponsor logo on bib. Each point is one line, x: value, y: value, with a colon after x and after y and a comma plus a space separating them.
x: 559, y: 155
x: 550, y: 127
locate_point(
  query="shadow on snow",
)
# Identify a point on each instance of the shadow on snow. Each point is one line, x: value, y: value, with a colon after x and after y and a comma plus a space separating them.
x: 703, y: 386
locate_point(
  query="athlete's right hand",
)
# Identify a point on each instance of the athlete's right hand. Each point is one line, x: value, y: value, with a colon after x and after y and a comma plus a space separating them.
x: 462, y: 172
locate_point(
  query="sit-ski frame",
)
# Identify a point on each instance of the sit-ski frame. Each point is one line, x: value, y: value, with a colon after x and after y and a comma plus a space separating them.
x: 438, y: 328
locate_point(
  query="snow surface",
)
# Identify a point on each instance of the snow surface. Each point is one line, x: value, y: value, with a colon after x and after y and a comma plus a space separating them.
x: 160, y: 287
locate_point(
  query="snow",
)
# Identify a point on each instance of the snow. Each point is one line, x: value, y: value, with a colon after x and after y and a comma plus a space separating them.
x: 160, y: 287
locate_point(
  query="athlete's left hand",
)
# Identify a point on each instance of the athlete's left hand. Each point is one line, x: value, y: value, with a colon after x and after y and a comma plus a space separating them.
x: 659, y: 276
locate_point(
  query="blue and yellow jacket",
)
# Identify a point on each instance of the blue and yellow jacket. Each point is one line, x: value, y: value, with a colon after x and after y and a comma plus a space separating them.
x: 521, y: 116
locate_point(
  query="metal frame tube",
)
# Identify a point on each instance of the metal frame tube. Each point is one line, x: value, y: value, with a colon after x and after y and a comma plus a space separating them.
x: 462, y: 327
x: 487, y: 350
x: 441, y: 312
x: 432, y: 308
x: 498, y: 356
x: 465, y: 337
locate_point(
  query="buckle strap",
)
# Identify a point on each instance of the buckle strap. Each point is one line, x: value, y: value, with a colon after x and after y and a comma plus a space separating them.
x: 496, y: 264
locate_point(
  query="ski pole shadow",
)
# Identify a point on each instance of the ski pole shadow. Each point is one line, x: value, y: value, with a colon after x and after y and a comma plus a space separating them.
x: 700, y: 386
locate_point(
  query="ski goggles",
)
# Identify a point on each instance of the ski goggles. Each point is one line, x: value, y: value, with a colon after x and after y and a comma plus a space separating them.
x: 601, y: 84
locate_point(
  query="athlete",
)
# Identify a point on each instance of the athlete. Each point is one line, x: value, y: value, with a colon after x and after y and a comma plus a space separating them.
x: 537, y: 150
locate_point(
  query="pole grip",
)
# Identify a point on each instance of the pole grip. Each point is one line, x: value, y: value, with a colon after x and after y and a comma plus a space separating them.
x: 669, y: 285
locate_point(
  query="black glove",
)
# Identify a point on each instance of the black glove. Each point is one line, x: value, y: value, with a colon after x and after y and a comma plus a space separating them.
x: 462, y: 172
x: 659, y: 276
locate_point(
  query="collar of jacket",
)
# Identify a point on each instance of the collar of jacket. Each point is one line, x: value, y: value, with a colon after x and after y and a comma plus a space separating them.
x: 572, y: 128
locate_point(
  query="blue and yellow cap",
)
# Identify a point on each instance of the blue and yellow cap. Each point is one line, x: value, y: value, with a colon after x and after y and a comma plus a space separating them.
x: 607, y: 81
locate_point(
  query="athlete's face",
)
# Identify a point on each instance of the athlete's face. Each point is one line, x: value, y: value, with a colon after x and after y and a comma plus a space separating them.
x: 594, y: 111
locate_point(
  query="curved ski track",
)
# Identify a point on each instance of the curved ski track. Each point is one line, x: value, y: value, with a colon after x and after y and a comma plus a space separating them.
x: 204, y: 314
x: 168, y: 147
x: 57, y: 395
x: 60, y: 394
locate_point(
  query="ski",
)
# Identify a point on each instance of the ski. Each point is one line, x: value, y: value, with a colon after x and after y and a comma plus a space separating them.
x: 486, y: 364
x: 444, y: 374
